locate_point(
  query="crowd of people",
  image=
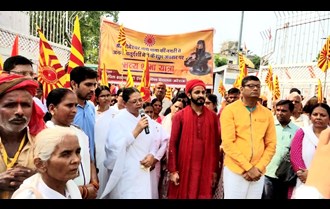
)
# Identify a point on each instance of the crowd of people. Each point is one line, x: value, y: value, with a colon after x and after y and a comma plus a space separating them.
x: 88, y: 142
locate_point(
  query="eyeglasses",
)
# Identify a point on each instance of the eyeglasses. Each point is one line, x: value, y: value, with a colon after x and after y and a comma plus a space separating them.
x: 252, y: 86
x: 25, y: 73
x: 136, y: 101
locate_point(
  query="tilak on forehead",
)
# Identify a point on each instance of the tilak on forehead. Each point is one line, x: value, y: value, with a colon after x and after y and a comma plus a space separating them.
x: 12, y: 82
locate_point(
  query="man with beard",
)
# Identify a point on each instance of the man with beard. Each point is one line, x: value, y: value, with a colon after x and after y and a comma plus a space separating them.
x: 198, y: 60
x: 21, y: 119
x: 194, y: 147
x: 83, y: 81
x: 248, y: 141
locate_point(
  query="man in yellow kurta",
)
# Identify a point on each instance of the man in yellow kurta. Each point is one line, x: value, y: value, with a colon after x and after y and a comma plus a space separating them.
x: 20, y: 120
x: 248, y: 140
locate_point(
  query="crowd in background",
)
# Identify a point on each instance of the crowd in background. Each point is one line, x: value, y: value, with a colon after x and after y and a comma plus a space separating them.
x: 92, y: 141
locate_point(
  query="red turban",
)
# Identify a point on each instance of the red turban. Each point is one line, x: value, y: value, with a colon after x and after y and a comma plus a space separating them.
x: 11, y: 82
x: 194, y: 82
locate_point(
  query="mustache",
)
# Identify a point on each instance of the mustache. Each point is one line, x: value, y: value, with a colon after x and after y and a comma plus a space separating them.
x: 19, y: 119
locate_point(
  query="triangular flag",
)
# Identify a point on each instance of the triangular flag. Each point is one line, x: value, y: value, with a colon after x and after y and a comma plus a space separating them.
x: 129, y: 80
x: 276, y: 91
x: 14, y: 50
x: 145, y: 81
x: 324, y: 58
x: 269, y: 79
x: 104, y: 77
x: 221, y: 89
x: 76, y: 52
x: 168, y: 93
x: 50, y: 71
x: 242, y: 65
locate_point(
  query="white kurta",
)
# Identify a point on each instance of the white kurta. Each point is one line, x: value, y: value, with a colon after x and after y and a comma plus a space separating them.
x: 101, y: 132
x: 35, y: 188
x: 123, y: 155
x: 85, y: 165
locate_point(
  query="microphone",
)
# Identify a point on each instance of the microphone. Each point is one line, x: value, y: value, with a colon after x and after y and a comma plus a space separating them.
x: 141, y: 112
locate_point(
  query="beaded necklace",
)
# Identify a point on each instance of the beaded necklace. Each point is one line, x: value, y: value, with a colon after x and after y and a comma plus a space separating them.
x: 15, y: 158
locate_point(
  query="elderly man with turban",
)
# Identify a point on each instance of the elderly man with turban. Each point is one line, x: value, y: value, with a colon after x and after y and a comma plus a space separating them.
x: 194, y: 148
x: 20, y: 120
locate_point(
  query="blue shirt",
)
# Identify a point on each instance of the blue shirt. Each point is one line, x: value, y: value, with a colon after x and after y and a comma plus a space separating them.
x: 85, y: 119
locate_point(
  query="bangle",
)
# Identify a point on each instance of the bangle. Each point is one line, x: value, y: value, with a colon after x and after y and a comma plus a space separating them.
x: 95, y: 184
x: 85, y: 192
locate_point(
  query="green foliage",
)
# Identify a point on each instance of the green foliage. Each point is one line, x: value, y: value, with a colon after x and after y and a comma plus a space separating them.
x: 256, y: 61
x: 90, y: 32
x: 219, y: 61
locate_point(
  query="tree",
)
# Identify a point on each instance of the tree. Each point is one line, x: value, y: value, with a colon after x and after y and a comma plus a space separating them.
x: 90, y: 32
x: 219, y: 61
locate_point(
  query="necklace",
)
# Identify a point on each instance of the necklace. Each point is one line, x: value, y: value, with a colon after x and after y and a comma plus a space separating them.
x: 15, y: 158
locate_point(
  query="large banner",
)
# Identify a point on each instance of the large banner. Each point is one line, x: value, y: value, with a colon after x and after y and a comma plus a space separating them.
x: 173, y: 59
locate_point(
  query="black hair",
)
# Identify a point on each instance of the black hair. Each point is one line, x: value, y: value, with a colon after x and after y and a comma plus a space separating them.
x: 11, y: 62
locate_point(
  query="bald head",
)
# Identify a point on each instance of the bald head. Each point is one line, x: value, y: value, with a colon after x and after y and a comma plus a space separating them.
x: 160, y: 90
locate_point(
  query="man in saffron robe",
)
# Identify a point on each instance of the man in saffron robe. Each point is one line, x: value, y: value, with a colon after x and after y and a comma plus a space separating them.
x: 194, y: 147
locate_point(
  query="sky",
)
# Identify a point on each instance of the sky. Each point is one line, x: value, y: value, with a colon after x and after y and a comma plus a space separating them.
x: 226, y: 25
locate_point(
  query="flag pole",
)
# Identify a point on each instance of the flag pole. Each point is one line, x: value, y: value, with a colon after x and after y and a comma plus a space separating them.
x: 325, y: 81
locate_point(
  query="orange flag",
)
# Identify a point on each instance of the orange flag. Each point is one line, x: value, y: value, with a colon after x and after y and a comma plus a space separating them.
x: 324, y: 58
x: 221, y: 89
x: 76, y: 52
x: 276, y: 91
x: 269, y: 79
x: 145, y: 81
x: 104, y: 77
x: 168, y: 94
x: 50, y: 71
x: 122, y: 39
x: 14, y: 50
x: 319, y: 92
x: 237, y: 82
x: 129, y: 80
x: 242, y: 65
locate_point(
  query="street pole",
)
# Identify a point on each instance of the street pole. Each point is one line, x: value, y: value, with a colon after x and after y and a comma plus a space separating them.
x: 240, y: 37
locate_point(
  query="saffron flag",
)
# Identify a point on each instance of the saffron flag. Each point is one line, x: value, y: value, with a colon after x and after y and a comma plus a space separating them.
x: 324, y: 58
x: 129, y: 80
x: 242, y: 65
x: 238, y: 82
x: 50, y: 71
x: 269, y: 79
x: 14, y: 50
x: 104, y: 77
x: 122, y: 39
x: 168, y: 94
x: 221, y: 88
x: 319, y: 92
x: 276, y: 91
x: 145, y: 81
x: 76, y: 52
